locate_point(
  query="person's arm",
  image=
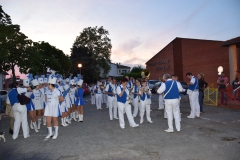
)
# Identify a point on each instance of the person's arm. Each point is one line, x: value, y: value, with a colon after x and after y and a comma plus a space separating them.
x: 180, y: 88
x: 161, y: 89
x: 119, y: 92
x: 192, y: 81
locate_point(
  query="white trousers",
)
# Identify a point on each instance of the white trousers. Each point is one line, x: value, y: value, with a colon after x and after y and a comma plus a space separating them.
x: 136, y: 105
x: 172, y: 109
x: 93, y: 98
x: 98, y: 100
x: 194, y: 104
x: 144, y: 107
x: 20, y: 116
x: 127, y: 108
x: 160, y: 100
x: 112, y: 104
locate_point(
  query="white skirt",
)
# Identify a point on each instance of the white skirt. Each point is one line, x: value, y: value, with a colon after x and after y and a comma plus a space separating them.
x: 53, y: 110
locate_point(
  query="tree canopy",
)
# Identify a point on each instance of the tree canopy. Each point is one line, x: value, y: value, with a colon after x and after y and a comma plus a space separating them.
x: 92, y: 48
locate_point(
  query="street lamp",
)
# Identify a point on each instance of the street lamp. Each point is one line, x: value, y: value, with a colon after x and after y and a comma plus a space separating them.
x: 80, y: 66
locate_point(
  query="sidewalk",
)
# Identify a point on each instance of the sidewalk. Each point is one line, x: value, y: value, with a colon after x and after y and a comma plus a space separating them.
x: 215, y: 135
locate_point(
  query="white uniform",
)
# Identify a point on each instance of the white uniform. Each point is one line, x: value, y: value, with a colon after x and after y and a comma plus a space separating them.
x: 38, y: 99
x: 160, y: 99
x: 112, y: 101
x: 53, y: 107
x: 98, y: 94
x: 145, y: 106
x: 125, y: 107
x: 172, y: 104
x: 42, y: 97
x: 93, y: 98
x: 136, y: 101
x: 193, y: 98
x: 72, y: 94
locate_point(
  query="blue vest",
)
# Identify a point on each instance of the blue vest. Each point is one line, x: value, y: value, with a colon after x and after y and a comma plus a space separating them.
x: 122, y: 99
x: 143, y: 96
x: 96, y: 91
x: 110, y: 90
x: 12, y: 95
x: 173, y: 93
x: 194, y: 86
x: 136, y: 91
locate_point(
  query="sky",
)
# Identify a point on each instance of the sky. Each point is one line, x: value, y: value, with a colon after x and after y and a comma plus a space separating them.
x: 138, y: 29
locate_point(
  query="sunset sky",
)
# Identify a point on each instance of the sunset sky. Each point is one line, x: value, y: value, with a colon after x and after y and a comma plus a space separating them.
x: 138, y: 28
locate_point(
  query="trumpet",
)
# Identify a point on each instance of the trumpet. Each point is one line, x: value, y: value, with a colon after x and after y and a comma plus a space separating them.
x: 129, y: 99
x: 101, y: 86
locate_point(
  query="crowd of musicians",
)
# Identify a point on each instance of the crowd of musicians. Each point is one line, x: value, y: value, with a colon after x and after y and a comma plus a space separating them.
x: 52, y: 97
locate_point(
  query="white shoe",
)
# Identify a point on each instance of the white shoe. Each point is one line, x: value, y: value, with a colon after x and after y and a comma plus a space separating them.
x: 169, y: 130
x: 79, y: 118
x: 55, y: 132
x: 197, y: 116
x: 68, y: 120
x: 122, y: 127
x: 141, y: 121
x: 100, y: 108
x: 64, y: 121
x: 160, y: 108
x: 27, y: 136
x: 190, y: 117
x: 49, y: 132
x: 150, y: 121
x: 74, y: 117
x: 116, y: 118
x: 35, y: 127
x: 136, y: 125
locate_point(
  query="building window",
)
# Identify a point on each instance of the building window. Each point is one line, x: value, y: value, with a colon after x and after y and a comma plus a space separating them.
x: 124, y: 71
x: 119, y: 71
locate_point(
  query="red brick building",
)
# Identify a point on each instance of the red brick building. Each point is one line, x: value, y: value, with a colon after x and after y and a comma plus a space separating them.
x: 184, y: 55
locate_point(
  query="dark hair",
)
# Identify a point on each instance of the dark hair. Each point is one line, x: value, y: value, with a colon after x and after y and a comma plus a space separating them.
x: 53, y: 85
x: 14, y: 85
x: 124, y: 80
x: 174, y: 75
x: 143, y: 81
x: 34, y: 87
x: 113, y: 78
x: 189, y: 74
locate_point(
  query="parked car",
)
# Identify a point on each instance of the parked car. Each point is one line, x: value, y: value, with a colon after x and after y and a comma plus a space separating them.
x: 151, y: 83
x: 3, y: 95
x: 85, y: 88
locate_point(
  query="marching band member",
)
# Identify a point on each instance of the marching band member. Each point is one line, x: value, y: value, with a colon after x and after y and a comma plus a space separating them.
x: 79, y: 102
x: 145, y: 94
x: 136, y: 98
x: 171, y: 97
x: 72, y: 97
x: 105, y: 85
x: 45, y: 87
x: 67, y: 98
x: 93, y: 98
x: 123, y: 104
x: 63, y: 108
x: 98, y: 90
x: 30, y: 106
x: 160, y: 98
x: 193, y: 96
x: 41, y: 88
x: 130, y: 84
x: 52, y: 110
x: 37, y: 100
x: 19, y: 111
x: 110, y: 90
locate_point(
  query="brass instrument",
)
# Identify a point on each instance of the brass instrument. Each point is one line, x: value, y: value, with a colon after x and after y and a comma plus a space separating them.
x: 101, y: 86
x: 130, y: 97
x: 112, y: 88
x: 145, y: 73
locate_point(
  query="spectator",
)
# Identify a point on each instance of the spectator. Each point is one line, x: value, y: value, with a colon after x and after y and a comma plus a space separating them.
x: 222, y: 88
x: 202, y: 85
x: 235, y: 84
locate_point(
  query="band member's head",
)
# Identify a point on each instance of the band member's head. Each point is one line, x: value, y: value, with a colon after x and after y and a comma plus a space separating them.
x: 137, y: 81
x: 189, y: 75
x: 166, y: 77
x: 124, y: 82
x: 146, y: 79
x: 127, y: 77
x: 109, y: 78
x: 222, y: 74
x: 174, y: 77
x: 14, y: 85
x: 51, y: 86
x: 200, y: 76
x: 144, y: 83
x: 114, y: 80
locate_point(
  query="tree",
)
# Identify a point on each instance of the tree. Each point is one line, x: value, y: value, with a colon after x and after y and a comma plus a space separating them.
x: 92, y: 48
x: 13, y: 46
x: 137, y: 69
x: 44, y: 56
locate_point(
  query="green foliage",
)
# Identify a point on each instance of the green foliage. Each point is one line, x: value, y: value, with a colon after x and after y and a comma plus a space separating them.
x: 137, y: 69
x: 92, y: 48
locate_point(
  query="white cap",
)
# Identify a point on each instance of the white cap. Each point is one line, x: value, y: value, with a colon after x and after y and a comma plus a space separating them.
x: 45, y: 80
x: 35, y: 82
x: 52, y: 80
x: 67, y: 79
x: 80, y: 82
x: 66, y: 87
x: 72, y: 81
x: 26, y: 82
x: 40, y: 80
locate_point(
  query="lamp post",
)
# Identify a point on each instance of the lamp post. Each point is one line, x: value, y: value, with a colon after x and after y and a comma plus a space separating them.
x: 80, y: 66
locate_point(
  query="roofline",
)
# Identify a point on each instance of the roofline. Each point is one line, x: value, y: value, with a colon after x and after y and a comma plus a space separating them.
x: 181, y: 38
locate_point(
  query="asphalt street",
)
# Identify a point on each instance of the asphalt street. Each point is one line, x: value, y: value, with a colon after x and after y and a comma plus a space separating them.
x: 213, y: 136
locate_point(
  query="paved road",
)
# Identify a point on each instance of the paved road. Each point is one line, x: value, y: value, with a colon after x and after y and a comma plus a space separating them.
x: 216, y: 135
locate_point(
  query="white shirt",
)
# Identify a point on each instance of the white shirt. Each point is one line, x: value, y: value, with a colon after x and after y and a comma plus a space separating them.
x: 192, y: 80
x: 119, y: 90
x: 113, y: 88
x: 99, y: 91
x: 162, y: 88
